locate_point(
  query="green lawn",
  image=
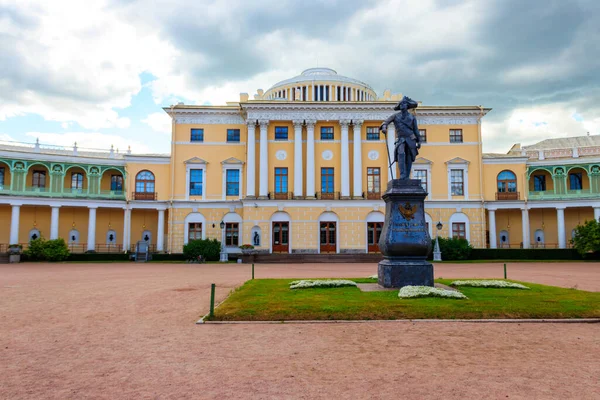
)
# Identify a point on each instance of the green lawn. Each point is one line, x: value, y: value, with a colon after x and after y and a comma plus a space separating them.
x: 272, y: 300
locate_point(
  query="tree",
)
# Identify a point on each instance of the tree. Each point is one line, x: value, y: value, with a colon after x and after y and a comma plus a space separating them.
x: 587, y: 237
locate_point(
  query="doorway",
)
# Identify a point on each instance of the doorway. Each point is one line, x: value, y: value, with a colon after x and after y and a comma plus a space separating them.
x: 373, y: 233
x: 327, y: 237
x: 281, y: 237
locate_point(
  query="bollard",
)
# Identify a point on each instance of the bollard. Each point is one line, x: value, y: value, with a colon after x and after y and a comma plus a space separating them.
x: 504, y: 271
x: 252, y: 271
x: 212, y: 300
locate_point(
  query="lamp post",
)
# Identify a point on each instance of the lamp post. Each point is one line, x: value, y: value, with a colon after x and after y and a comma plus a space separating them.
x: 223, y: 255
x: 437, y: 254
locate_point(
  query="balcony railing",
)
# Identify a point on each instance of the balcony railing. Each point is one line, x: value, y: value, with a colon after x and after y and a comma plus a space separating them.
x: 281, y: 195
x: 507, y: 196
x: 328, y: 195
x: 570, y: 194
x: 66, y: 193
x: 144, y: 195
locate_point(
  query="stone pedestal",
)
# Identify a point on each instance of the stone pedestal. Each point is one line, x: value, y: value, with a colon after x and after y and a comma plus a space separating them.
x: 405, y: 241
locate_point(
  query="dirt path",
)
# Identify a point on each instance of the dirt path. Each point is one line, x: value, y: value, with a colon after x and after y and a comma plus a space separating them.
x: 127, y: 331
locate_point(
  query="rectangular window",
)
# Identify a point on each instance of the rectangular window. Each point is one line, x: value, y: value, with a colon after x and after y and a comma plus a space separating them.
x: 281, y: 133
x: 1, y: 177
x: 459, y: 230
x: 195, y: 231
x: 327, y: 180
x: 539, y: 183
x: 575, y: 181
x: 456, y: 136
x: 233, y: 135
x: 423, y: 135
x: 373, y: 180
x: 281, y: 180
x: 116, y: 183
x: 197, y: 135
x: 422, y: 175
x: 327, y: 133
x: 233, y: 182
x: 457, y: 182
x: 372, y: 133
x: 76, y: 180
x: 195, y: 182
x: 38, y: 179
x: 232, y: 234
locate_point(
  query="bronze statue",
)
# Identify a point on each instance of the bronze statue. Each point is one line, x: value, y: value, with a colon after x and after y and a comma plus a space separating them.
x: 408, y: 140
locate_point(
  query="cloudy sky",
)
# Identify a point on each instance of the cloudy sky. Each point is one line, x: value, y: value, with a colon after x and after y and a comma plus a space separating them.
x: 99, y: 71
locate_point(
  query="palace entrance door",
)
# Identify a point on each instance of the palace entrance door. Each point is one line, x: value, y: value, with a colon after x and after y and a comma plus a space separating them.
x: 281, y: 237
x: 327, y: 237
x: 373, y: 233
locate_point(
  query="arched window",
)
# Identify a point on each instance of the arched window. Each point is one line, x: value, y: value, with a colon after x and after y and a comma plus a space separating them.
x: 507, y: 186
x: 144, y: 186
x: 76, y: 181
x: 38, y: 179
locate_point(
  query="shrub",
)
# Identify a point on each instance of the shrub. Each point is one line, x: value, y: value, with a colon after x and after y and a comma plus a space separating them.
x: 35, y: 251
x: 55, y: 250
x: 207, y: 248
x: 587, y: 237
x: 454, y: 248
x: 47, y: 250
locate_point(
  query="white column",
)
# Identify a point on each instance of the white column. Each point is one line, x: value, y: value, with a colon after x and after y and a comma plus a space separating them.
x: 343, y: 93
x: 345, y: 160
x: 91, y: 241
x: 492, y: 228
x: 330, y: 92
x: 251, y: 168
x: 263, y: 190
x: 14, y: 224
x: 54, y: 222
x: 298, y: 192
x: 358, y: 172
x: 525, y: 225
x: 310, y: 159
x: 391, y: 139
x: 560, y: 217
x: 126, y: 229
x: 160, y: 235
x: 596, y: 213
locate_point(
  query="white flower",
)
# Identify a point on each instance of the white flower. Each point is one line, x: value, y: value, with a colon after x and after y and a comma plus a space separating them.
x: 489, y: 284
x: 373, y: 277
x: 326, y: 283
x: 427, y: 291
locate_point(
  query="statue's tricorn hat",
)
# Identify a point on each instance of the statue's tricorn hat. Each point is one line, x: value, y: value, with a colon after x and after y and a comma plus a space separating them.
x: 410, y: 103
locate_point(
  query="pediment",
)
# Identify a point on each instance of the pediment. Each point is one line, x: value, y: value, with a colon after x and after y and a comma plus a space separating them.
x: 422, y: 160
x: 232, y: 160
x: 458, y: 160
x: 195, y: 160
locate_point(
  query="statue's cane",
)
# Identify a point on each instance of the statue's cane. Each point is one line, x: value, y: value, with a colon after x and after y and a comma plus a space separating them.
x: 389, y: 158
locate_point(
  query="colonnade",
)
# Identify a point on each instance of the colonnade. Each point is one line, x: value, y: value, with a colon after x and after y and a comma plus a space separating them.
x: 357, y: 171
x: 560, y: 219
x: 322, y: 92
x: 91, y: 237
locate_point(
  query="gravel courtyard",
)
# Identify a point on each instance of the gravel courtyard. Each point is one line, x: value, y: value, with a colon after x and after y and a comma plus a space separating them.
x: 127, y: 331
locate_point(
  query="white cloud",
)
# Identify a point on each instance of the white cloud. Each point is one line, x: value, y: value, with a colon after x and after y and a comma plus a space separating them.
x: 85, y: 140
x: 529, y: 125
x: 76, y: 62
x: 159, y: 122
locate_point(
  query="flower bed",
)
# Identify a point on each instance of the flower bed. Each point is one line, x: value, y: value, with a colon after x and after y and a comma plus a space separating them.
x: 489, y: 284
x: 329, y: 283
x: 408, y: 292
x: 373, y: 277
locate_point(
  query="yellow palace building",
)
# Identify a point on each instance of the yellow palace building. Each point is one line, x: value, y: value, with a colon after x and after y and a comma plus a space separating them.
x: 299, y: 168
